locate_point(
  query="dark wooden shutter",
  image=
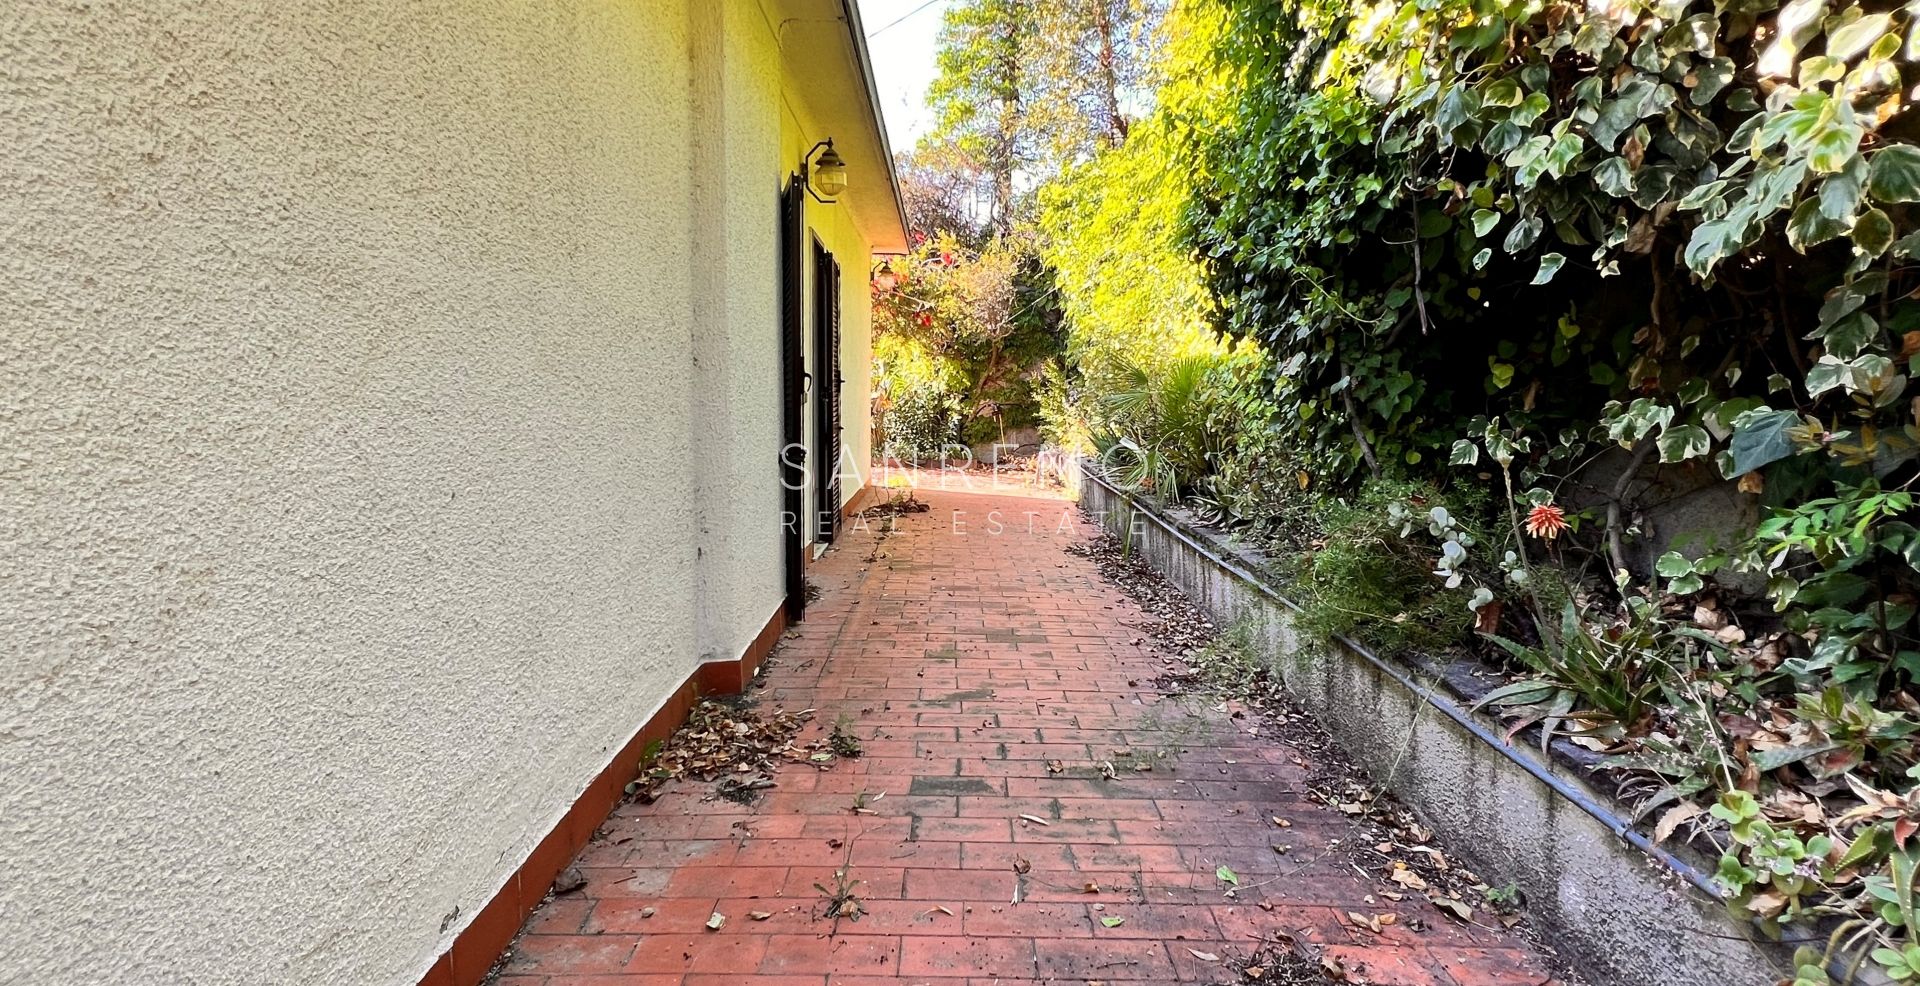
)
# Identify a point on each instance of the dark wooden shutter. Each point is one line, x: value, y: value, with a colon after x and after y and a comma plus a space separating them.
x: 793, y: 453
x: 826, y: 404
x: 830, y: 399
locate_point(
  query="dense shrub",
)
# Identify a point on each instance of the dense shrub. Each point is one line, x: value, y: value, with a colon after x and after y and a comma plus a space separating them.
x: 1365, y: 578
x: 1476, y: 244
x: 921, y: 424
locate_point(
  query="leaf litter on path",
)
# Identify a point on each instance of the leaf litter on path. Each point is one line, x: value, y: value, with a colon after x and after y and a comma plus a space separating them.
x: 1392, y: 845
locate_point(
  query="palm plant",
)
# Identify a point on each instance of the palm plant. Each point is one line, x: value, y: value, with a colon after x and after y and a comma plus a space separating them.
x: 1160, y: 419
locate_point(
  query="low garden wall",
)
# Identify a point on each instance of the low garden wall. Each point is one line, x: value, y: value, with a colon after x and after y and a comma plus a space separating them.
x: 1625, y: 912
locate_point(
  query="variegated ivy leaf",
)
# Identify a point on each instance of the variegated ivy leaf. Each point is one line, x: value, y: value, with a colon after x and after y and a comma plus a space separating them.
x: 1895, y: 174
x: 1683, y: 442
x: 1630, y: 423
x: 1872, y: 233
x: 1810, y: 226
x: 1856, y: 33
x: 1614, y: 176
x: 1861, y: 375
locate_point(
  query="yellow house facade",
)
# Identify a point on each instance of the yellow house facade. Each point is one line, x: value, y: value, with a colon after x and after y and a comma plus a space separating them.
x: 396, y: 405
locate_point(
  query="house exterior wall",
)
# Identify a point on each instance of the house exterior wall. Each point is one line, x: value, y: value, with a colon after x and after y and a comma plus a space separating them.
x: 836, y: 231
x: 387, y: 422
x: 735, y: 165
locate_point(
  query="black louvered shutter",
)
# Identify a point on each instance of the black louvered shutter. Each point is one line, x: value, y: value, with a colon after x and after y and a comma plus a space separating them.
x: 833, y: 401
x: 826, y: 405
x: 793, y: 454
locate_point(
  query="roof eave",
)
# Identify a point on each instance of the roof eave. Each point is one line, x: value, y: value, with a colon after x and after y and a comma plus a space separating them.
x: 858, y: 37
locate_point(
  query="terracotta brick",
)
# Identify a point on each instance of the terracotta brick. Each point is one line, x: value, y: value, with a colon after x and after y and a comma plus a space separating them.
x: 713, y: 952
x: 858, y: 954
x: 966, y: 957
x: 987, y: 678
x: 570, y: 955
x: 1104, y: 959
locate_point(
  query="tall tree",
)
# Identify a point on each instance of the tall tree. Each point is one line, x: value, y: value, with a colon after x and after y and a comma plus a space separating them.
x: 1029, y: 87
x: 979, y: 96
x: 1090, y: 74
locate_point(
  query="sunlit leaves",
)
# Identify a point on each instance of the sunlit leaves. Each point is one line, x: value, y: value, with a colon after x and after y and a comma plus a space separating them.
x: 1855, y: 33
x: 1682, y: 442
x: 1614, y: 176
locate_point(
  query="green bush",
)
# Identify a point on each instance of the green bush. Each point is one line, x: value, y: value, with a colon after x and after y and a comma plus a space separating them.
x: 1366, y: 579
x: 922, y: 423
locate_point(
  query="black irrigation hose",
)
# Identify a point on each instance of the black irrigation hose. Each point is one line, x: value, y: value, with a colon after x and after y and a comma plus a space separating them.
x: 1619, y: 826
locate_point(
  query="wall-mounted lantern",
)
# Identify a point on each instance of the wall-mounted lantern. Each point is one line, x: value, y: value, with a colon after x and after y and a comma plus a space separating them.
x: 826, y: 175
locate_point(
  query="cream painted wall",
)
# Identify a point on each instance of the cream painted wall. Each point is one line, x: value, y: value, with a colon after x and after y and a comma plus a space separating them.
x: 735, y: 346
x: 386, y: 427
x: 836, y: 231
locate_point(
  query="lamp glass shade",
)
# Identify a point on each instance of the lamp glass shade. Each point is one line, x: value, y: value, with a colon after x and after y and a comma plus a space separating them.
x: 829, y: 174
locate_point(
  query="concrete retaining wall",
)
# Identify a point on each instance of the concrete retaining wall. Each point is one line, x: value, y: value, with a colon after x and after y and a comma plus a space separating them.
x: 1622, y: 917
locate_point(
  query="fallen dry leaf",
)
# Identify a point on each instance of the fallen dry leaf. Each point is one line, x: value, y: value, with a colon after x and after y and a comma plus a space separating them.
x: 1406, y: 877
x: 1204, y: 956
x: 1674, y: 818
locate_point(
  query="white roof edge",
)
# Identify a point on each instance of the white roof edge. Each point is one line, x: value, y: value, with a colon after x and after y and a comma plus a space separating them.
x: 851, y: 9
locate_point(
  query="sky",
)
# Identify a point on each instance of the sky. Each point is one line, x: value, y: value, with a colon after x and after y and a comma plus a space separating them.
x: 901, y: 36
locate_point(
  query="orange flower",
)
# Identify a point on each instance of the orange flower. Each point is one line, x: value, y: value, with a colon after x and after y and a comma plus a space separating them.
x: 1546, y: 521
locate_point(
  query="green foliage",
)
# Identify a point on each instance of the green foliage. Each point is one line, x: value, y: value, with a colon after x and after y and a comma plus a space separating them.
x: 1608, y: 679
x: 921, y: 424
x: 1113, y: 236
x: 965, y: 333
x: 976, y: 95
x: 1367, y: 580
x: 1166, y: 430
x: 1831, y: 563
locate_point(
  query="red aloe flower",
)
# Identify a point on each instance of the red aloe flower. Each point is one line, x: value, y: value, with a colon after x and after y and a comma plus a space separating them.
x: 1546, y: 521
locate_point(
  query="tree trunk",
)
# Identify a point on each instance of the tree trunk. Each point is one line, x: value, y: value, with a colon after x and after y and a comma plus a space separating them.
x: 1115, y: 130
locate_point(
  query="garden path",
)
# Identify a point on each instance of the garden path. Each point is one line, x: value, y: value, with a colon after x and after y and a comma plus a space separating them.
x: 989, y: 674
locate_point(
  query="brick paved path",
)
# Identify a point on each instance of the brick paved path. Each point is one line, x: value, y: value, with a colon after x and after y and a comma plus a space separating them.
x: 969, y: 661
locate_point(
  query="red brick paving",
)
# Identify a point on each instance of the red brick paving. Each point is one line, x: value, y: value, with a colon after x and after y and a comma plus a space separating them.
x: 968, y: 660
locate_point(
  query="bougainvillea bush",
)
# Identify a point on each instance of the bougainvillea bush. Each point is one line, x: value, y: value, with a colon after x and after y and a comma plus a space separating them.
x: 1548, y: 253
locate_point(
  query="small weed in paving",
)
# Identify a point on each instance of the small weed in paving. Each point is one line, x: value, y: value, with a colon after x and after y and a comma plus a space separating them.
x: 842, y: 740
x: 842, y: 899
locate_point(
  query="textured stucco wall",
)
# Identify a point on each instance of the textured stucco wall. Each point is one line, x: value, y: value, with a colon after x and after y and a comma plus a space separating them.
x: 736, y: 73
x: 386, y: 425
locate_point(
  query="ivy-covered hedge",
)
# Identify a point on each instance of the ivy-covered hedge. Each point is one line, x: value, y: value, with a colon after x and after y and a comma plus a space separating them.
x: 1544, y: 251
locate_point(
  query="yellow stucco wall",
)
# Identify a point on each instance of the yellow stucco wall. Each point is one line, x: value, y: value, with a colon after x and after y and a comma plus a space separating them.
x: 387, y: 405
x: 800, y: 129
